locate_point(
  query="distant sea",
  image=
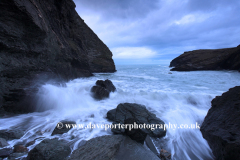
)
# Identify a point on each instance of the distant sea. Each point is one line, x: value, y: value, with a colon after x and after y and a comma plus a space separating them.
x: 175, y: 97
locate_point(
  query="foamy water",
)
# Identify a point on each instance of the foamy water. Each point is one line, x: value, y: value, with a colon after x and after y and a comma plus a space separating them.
x: 178, y: 98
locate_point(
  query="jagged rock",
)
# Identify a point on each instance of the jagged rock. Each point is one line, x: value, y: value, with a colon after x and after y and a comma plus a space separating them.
x: 5, y: 152
x: 128, y: 113
x: 103, y: 89
x: 11, y: 134
x: 211, y: 59
x: 61, y: 127
x: 3, y: 143
x: 117, y: 147
x: 42, y: 40
x: 50, y: 149
x: 221, y: 126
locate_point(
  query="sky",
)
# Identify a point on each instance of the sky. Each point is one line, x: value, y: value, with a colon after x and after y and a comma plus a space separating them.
x: 157, y: 31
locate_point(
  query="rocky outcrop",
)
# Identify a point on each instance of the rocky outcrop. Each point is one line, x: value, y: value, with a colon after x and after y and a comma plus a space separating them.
x: 50, y: 149
x: 102, y: 89
x: 61, y: 127
x: 137, y: 115
x: 42, y: 40
x: 221, y: 126
x: 215, y: 59
x: 115, y: 147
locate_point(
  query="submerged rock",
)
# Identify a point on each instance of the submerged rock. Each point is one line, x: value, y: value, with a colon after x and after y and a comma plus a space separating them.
x: 50, y: 149
x: 221, y: 126
x: 61, y: 127
x: 11, y: 134
x: 20, y: 149
x: 165, y: 155
x: 208, y: 59
x: 103, y: 89
x: 137, y: 115
x: 117, y: 147
x: 3, y: 143
x: 5, y: 152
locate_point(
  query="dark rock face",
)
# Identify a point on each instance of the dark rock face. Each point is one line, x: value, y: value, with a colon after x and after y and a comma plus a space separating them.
x: 61, y: 127
x: 221, y: 126
x: 103, y: 89
x: 45, y: 40
x: 215, y: 59
x: 131, y: 113
x: 115, y: 147
x: 50, y: 149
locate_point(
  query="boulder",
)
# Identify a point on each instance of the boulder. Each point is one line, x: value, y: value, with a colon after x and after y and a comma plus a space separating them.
x: 131, y: 113
x: 61, y: 127
x: 117, y: 147
x: 50, y: 149
x: 3, y: 143
x: 102, y: 89
x: 221, y: 126
x: 11, y: 134
x: 208, y: 59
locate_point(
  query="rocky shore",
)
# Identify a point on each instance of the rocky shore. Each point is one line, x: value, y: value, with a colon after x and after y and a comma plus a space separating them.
x: 208, y: 59
x: 40, y: 41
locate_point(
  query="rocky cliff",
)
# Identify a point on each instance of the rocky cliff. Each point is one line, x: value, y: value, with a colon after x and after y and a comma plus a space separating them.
x: 43, y: 39
x: 215, y: 59
x: 221, y: 126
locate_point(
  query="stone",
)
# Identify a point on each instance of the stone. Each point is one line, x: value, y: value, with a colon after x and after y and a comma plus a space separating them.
x: 221, y: 125
x: 3, y: 143
x: 11, y: 134
x: 165, y: 155
x: 112, y: 147
x: 61, y: 127
x: 20, y: 149
x: 128, y: 113
x: 5, y: 152
x: 102, y: 89
x: 50, y: 149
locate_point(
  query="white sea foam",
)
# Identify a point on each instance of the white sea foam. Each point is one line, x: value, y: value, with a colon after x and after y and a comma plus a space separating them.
x: 180, y: 98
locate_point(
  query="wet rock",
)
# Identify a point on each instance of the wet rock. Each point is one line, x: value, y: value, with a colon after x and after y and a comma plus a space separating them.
x: 102, y: 89
x: 117, y: 147
x: 5, y: 152
x: 221, y: 125
x: 11, y: 134
x: 138, y: 135
x: 63, y: 127
x: 30, y: 143
x: 131, y: 113
x: 208, y: 59
x: 165, y: 155
x: 50, y: 149
x: 3, y: 143
x: 20, y: 149
x: 150, y: 145
x: 17, y: 156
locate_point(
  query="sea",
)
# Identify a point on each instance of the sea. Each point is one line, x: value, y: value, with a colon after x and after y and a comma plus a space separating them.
x: 177, y: 98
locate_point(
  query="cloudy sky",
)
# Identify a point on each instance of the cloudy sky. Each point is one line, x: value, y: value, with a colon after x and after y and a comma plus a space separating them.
x: 156, y: 31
